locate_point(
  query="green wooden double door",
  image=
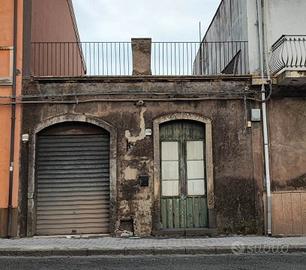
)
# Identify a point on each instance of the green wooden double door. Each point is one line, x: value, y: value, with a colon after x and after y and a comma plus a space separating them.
x: 183, y: 184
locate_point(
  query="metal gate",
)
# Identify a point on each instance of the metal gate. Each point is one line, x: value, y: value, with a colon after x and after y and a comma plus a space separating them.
x: 72, y: 180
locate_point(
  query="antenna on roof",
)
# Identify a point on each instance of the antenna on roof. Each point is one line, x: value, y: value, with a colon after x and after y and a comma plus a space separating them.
x: 200, y: 32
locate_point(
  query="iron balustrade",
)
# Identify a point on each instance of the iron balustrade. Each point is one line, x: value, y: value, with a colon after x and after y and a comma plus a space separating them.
x: 173, y: 58
x: 222, y: 57
x: 288, y: 52
x: 75, y: 59
x: 81, y: 58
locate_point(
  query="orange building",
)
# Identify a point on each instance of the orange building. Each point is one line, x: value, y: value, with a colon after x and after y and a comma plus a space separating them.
x: 22, y: 23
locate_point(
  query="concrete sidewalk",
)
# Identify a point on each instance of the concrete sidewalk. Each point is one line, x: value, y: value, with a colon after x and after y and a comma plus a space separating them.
x: 61, y: 246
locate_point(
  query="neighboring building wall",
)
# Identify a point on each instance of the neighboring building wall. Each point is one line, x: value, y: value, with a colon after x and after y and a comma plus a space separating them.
x: 236, y: 148
x: 281, y: 18
x: 6, y: 39
x: 229, y: 24
x: 237, y: 20
x: 6, y: 86
x: 284, y: 18
x: 253, y: 43
x: 286, y: 111
x: 54, y: 21
x: 288, y: 159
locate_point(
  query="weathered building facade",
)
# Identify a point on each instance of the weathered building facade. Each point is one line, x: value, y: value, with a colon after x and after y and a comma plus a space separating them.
x: 141, y: 116
x: 111, y: 146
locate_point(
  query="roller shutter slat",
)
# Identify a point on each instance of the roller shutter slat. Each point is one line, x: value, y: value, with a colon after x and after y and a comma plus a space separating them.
x: 70, y: 162
x: 65, y: 219
x: 84, y: 226
x: 71, y: 202
x: 99, y: 193
x: 71, y: 184
x: 104, y: 155
x: 71, y: 181
x: 92, y: 175
x: 94, y: 230
x: 70, y: 211
x: 72, y: 172
x: 80, y: 199
x: 46, y: 168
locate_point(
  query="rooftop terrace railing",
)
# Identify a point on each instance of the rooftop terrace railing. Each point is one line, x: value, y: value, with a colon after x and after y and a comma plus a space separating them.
x: 289, y: 52
x: 76, y: 59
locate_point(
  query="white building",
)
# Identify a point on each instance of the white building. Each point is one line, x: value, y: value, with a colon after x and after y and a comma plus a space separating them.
x: 232, y: 41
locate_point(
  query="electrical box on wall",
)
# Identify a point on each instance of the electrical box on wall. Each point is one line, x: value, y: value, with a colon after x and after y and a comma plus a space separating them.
x: 148, y: 132
x: 255, y: 115
x: 25, y: 138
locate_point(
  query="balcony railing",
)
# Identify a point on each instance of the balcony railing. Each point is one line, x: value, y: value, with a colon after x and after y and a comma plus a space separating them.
x: 115, y: 58
x: 288, y: 53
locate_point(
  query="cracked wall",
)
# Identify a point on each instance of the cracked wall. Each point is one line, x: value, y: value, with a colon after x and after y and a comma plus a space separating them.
x: 233, y: 150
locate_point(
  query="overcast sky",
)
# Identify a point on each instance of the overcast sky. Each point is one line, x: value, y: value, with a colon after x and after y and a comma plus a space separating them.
x: 162, y: 20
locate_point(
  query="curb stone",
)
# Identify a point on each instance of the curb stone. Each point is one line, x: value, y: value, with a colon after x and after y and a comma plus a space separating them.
x: 190, y: 250
x: 169, y: 251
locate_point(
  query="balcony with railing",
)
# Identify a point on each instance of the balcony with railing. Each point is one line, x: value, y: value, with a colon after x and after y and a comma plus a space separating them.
x: 79, y: 59
x: 288, y: 59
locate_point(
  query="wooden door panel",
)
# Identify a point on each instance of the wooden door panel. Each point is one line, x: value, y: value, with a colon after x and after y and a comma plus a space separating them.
x: 182, y: 143
x: 190, y: 212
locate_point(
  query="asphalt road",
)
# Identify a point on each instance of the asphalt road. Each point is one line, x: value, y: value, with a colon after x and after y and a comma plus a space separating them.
x: 279, y: 262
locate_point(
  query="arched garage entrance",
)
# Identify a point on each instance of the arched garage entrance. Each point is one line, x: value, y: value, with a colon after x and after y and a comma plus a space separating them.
x: 72, y: 179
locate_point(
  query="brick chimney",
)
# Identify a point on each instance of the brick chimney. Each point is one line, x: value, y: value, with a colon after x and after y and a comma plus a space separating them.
x: 141, y: 48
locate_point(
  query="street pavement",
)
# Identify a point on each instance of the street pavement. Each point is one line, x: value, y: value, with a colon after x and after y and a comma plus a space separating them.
x: 149, y: 262
x: 67, y: 246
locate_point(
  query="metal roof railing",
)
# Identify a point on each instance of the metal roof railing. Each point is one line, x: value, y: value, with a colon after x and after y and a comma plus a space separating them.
x: 74, y: 59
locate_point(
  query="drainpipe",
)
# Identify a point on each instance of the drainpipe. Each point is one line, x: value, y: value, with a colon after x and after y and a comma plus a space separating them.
x: 264, y: 115
x: 13, y: 120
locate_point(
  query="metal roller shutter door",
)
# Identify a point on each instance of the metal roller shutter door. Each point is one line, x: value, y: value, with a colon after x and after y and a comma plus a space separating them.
x: 73, y: 187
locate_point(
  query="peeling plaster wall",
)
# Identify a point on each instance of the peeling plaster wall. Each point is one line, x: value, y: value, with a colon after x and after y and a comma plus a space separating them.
x: 288, y: 143
x: 237, y: 196
x: 287, y: 114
